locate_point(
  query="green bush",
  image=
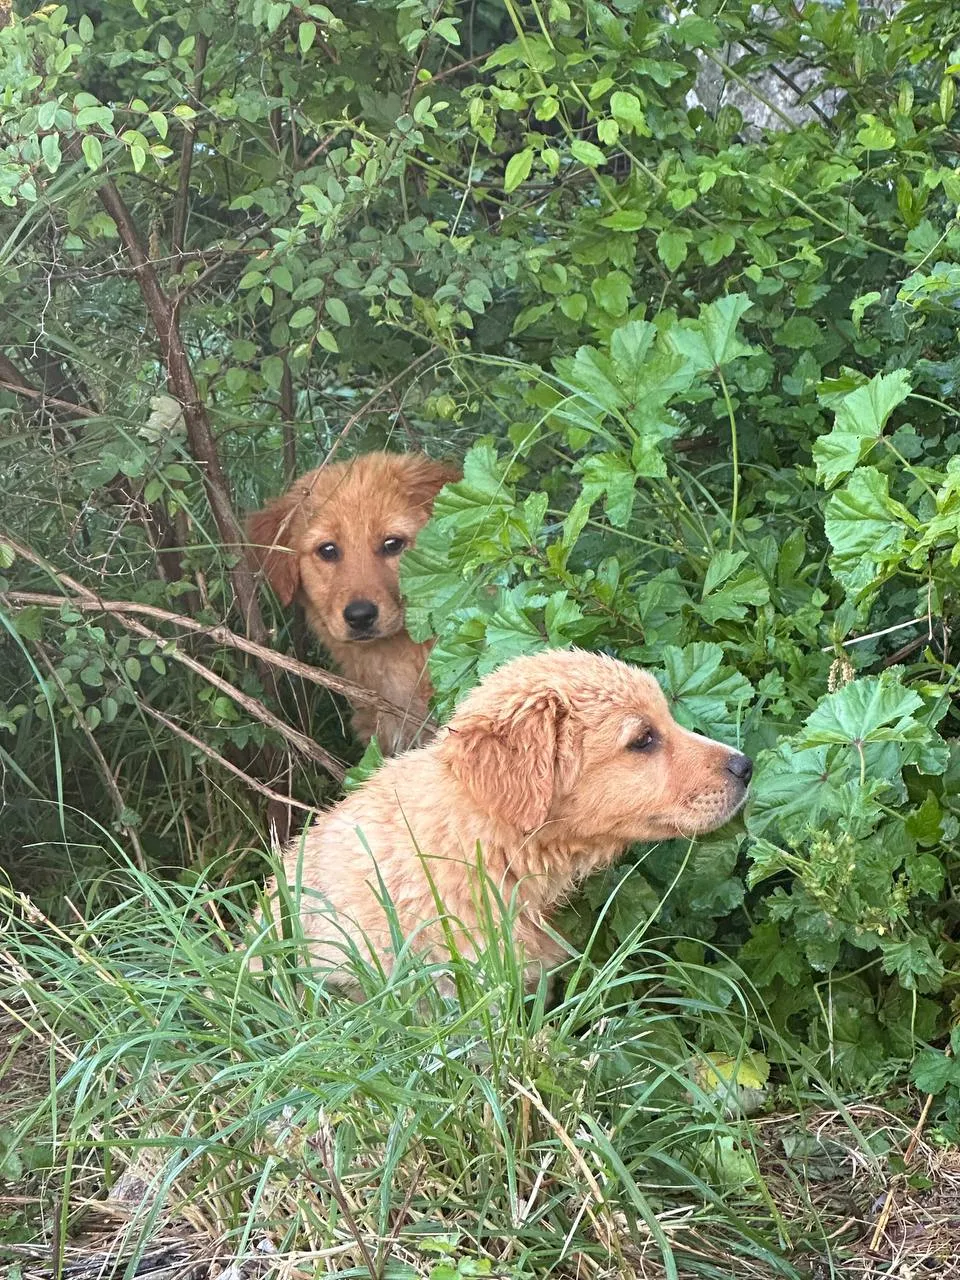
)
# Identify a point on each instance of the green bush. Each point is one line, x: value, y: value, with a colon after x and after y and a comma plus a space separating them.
x: 703, y: 372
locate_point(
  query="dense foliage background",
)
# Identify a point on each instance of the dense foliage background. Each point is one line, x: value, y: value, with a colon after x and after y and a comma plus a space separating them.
x: 703, y: 372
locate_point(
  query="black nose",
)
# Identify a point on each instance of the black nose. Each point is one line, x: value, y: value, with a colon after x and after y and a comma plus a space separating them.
x: 741, y: 767
x: 361, y: 614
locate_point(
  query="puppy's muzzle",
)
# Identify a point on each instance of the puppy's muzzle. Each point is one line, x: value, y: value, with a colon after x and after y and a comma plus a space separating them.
x: 361, y: 617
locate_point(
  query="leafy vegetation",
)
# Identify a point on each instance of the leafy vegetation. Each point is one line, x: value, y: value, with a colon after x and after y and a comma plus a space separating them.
x: 703, y: 374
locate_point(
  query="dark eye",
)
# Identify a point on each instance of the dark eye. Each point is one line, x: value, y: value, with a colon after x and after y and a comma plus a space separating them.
x: 393, y: 546
x: 643, y: 741
x: 328, y: 551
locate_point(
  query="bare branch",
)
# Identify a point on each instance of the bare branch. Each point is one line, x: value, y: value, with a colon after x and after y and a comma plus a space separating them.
x: 222, y: 761
x: 203, y: 446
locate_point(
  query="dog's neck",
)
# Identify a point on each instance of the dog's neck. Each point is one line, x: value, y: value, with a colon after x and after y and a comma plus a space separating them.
x: 395, y: 667
x: 552, y: 868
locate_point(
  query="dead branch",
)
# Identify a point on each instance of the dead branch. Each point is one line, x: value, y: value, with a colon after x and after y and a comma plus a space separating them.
x: 221, y: 635
x: 222, y: 761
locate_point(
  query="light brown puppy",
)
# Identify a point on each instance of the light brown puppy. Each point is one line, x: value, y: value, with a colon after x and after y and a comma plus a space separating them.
x: 334, y: 540
x: 552, y: 766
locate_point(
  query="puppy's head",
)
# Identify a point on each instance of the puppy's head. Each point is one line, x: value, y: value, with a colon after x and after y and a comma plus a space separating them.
x: 585, y: 747
x: 337, y: 535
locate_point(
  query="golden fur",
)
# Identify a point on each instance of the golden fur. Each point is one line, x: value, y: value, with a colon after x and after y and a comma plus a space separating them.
x: 334, y: 541
x: 552, y: 767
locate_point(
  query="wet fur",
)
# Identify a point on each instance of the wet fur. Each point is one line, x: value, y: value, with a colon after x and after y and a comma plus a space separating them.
x: 357, y: 505
x: 535, y: 768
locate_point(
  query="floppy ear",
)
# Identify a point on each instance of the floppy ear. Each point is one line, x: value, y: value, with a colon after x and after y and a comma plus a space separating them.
x: 514, y: 760
x: 424, y: 478
x: 271, y: 533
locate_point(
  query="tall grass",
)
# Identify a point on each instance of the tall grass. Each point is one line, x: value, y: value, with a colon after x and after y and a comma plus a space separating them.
x: 548, y: 1137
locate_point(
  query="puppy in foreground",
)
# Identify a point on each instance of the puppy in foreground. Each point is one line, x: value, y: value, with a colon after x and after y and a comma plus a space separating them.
x: 552, y: 766
x: 334, y: 541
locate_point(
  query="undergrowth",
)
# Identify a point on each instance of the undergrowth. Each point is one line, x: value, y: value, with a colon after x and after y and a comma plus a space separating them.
x: 603, y: 1127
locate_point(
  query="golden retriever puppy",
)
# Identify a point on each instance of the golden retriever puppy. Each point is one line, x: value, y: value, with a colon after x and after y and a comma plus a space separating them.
x: 334, y: 541
x: 546, y: 773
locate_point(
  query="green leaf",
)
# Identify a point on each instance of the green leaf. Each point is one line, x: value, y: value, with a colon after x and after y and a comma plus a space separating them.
x: 703, y: 693
x: 133, y: 669
x: 306, y: 34
x: 860, y: 419
x: 50, y: 150
x: 336, y: 309
x: 446, y: 29
x: 302, y: 317
x: 711, y: 341
x: 610, y: 476
x: 92, y: 151
x: 47, y: 114
x: 672, y: 247
x: 612, y: 292
x: 913, y: 961
x: 863, y: 521
x: 720, y: 245
x: 933, y: 1071
x: 7, y: 555
x: 869, y: 709
x: 875, y: 136
x: 365, y: 768
x: 518, y: 169
x: 271, y: 368
x: 627, y: 110
x: 587, y: 153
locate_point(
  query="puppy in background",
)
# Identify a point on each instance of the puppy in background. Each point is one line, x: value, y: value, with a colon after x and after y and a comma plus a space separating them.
x: 334, y: 541
x: 552, y: 767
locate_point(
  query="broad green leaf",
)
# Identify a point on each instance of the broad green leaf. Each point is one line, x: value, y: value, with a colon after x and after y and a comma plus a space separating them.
x: 933, y: 1071
x: 703, y: 693
x: 610, y: 476
x: 612, y: 292
x: 518, y: 169
x: 711, y: 341
x: 672, y: 247
x: 92, y: 151
x: 862, y: 521
x: 587, y: 153
x: 50, y: 150
x: 627, y: 110
x: 365, y: 768
x: 337, y: 310
x: 869, y: 709
x: 859, y: 423
x: 306, y: 34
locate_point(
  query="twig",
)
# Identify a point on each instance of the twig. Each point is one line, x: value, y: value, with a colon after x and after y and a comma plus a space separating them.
x: 222, y: 761
x: 77, y: 410
x: 907, y: 1157
x: 217, y: 634
x: 87, y: 600
x: 322, y: 1143
x: 874, y: 635
x: 354, y: 418
x: 115, y: 793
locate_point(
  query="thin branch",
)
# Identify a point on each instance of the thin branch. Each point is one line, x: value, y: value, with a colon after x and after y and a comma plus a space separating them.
x: 217, y: 634
x: 202, y: 443
x: 116, y: 795
x: 87, y: 599
x: 364, y: 409
x: 76, y: 410
x: 222, y: 761
x: 182, y: 202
